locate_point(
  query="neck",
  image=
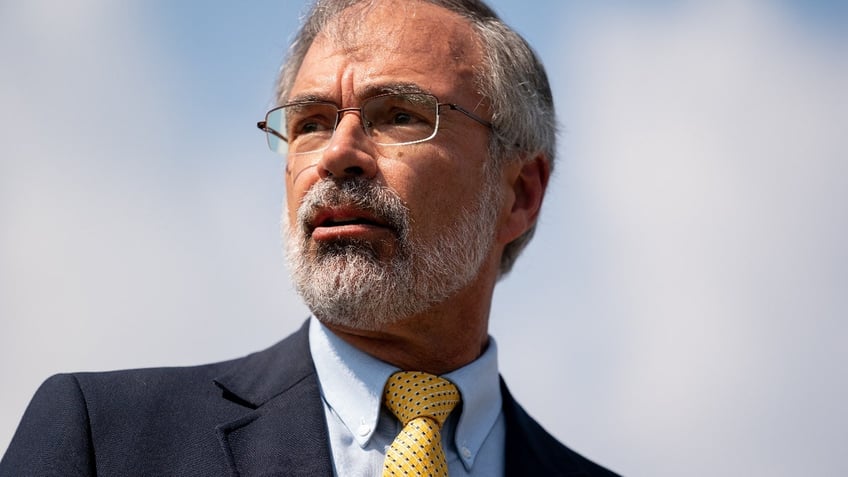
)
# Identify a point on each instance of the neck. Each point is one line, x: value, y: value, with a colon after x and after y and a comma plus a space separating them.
x: 444, y: 338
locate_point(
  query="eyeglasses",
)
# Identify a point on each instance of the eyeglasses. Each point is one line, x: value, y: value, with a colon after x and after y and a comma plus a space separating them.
x: 394, y: 119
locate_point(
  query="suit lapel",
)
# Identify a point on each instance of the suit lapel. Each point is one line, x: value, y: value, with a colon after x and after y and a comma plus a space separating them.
x: 283, y: 430
x: 529, y: 449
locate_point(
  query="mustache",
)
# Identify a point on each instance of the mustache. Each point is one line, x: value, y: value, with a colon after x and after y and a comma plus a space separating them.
x: 360, y: 193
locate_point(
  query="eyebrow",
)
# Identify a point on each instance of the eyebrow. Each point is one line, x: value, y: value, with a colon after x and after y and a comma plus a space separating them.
x: 367, y: 92
x: 391, y: 88
x: 308, y: 98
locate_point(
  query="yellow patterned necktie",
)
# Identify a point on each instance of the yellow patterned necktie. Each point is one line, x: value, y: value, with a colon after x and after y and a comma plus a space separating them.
x: 421, y: 402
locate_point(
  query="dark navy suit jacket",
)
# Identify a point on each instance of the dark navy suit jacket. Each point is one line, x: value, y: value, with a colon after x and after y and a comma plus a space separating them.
x: 260, y: 415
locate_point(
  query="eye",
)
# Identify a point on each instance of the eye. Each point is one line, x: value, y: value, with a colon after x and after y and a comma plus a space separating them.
x: 399, y: 111
x: 310, y: 121
x: 403, y: 117
x: 310, y: 127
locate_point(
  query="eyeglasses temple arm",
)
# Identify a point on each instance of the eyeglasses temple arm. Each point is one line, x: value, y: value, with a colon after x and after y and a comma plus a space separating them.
x: 468, y: 113
x: 264, y: 126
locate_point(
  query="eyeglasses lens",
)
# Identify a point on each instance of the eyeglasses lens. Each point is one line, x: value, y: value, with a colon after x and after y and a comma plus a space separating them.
x: 395, y: 119
x: 389, y: 119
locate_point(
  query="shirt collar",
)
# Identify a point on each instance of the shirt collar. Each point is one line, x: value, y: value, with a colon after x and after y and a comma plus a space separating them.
x: 352, y: 385
x: 479, y: 385
x: 351, y: 380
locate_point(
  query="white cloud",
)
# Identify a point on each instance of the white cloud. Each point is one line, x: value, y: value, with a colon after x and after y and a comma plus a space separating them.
x: 124, y: 242
x: 705, y: 172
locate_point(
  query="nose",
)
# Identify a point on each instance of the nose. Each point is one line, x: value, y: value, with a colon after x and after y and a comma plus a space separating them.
x: 350, y: 152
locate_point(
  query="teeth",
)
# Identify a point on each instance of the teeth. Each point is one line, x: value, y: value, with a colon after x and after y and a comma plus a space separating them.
x: 344, y: 221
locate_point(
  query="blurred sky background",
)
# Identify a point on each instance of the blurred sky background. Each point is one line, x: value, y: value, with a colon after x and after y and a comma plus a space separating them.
x: 682, y: 311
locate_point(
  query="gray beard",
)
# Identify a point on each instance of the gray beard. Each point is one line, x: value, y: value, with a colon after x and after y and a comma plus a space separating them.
x: 347, y: 283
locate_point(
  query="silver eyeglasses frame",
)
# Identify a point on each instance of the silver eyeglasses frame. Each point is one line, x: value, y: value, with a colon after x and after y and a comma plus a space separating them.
x: 263, y: 125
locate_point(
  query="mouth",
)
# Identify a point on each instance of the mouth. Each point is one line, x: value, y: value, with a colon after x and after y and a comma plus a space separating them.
x: 344, y: 222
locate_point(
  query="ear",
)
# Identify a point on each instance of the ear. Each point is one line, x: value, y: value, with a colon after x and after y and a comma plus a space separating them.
x: 527, y: 181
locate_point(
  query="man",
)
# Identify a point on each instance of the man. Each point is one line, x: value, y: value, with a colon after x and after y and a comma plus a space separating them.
x: 419, y: 138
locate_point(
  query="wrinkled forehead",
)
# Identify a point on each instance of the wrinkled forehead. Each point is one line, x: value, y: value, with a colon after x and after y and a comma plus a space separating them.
x: 410, y: 27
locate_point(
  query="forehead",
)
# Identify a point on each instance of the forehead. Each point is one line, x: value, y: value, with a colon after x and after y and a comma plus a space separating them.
x: 392, y: 41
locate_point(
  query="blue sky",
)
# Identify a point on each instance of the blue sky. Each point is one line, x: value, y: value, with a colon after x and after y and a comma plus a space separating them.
x: 686, y: 292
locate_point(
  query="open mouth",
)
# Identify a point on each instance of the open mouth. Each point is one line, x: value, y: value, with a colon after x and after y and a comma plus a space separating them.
x: 345, y: 218
x: 339, y: 221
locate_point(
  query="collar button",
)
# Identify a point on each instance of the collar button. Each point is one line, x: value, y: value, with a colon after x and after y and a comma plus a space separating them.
x: 466, y: 452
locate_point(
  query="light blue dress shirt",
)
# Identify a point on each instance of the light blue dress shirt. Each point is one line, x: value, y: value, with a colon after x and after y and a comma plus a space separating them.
x: 361, y: 429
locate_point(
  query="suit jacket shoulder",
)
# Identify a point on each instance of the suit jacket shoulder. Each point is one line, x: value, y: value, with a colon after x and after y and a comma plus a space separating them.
x: 255, y: 415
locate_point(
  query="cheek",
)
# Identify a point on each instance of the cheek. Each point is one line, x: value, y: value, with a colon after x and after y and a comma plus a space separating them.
x: 437, y: 193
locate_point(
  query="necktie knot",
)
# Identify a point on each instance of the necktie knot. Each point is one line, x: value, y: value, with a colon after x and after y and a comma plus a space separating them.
x: 421, y: 402
x: 412, y: 394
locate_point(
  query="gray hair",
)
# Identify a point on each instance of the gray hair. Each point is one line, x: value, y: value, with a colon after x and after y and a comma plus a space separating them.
x: 512, y: 79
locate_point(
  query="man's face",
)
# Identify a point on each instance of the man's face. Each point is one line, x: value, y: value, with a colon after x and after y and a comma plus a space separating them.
x: 379, y: 233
